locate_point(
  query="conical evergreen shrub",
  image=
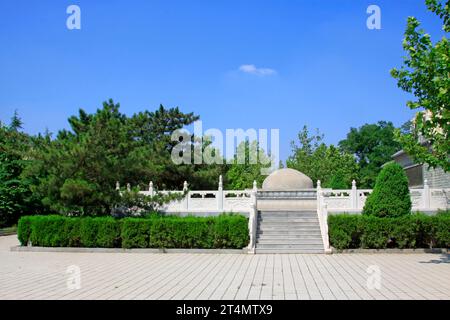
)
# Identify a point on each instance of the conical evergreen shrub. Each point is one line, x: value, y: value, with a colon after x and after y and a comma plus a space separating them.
x: 390, y: 196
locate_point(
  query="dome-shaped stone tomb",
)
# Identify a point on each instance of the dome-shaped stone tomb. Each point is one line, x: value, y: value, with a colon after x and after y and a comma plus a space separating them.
x: 287, y: 180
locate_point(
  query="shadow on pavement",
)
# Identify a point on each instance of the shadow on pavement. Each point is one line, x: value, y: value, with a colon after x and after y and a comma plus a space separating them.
x: 444, y: 258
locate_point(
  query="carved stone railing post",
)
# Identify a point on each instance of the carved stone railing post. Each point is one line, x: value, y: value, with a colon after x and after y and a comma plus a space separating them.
x: 220, y: 195
x: 186, y: 199
x: 354, y: 196
x: 253, y: 219
x: 150, y: 188
x: 319, y: 196
x: 426, y: 195
x: 322, y: 214
x: 325, y: 236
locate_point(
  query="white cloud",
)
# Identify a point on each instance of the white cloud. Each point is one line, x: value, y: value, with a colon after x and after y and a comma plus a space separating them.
x: 252, y: 69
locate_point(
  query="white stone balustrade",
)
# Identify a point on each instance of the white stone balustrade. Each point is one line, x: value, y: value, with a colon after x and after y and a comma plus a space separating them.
x: 337, y: 201
x: 322, y: 214
x: 353, y: 200
x: 207, y: 201
x: 253, y: 219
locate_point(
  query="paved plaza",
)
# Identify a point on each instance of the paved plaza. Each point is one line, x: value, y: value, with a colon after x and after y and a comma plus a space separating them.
x: 33, y: 275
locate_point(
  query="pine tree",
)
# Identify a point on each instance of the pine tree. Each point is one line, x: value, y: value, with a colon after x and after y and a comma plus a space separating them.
x: 16, y: 122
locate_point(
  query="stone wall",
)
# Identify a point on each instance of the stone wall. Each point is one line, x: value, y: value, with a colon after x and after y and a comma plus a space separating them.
x: 417, y: 173
x: 437, y: 178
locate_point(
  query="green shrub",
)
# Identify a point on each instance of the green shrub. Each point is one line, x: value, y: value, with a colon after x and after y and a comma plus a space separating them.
x: 88, y: 232
x: 443, y: 212
x: 225, y: 231
x: 413, y: 231
x: 24, y: 230
x: 434, y: 231
x: 375, y: 233
x: 343, y: 231
x: 404, y: 232
x: 101, y: 232
x: 442, y: 231
x: 231, y: 231
x: 136, y: 233
x: 390, y: 196
x: 72, y: 230
x: 60, y: 231
x: 109, y: 231
x: 48, y: 231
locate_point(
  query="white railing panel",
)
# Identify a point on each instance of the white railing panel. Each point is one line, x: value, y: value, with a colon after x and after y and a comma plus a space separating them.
x: 440, y: 198
x: 347, y: 200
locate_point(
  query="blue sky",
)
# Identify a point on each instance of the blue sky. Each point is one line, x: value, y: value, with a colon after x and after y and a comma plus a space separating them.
x: 320, y: 64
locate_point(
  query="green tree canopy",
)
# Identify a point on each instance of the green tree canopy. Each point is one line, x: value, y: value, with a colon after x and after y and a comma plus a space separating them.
x: 79, y: 168
x: 373, y: 145
x: 16, y: 196
x: 329, y: 164
x: 426, y: 74
x: 240, y: 176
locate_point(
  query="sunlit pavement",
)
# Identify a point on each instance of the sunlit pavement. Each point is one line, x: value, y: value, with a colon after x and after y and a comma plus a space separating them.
x: 33, y: 275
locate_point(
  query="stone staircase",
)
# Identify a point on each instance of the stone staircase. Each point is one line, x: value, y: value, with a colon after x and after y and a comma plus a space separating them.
x: 288, y: 232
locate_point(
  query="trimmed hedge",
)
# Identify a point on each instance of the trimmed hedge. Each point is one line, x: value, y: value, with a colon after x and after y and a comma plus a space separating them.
x: 413, y: 231
x: 224, y: 231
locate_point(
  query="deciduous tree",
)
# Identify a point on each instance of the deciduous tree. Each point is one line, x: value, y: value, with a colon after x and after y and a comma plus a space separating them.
x: 426, y: 74
x: 373, y: 145
x: 334, y: 167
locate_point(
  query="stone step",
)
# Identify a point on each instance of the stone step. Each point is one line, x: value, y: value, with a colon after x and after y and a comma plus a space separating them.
x: 288, y: 211
x: 289, y: 236
x: 288, y: 214
x: 287, y: 227
x: 287, y: 233
x: 289, y: 251
x: 288, y: 218
x: 290, y: 233
x: 299, y: 242
x: 283, y: 216
x: 294, y: 236
x: 289, y: 222
x: 290, y: 246
x: 273, y: 219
